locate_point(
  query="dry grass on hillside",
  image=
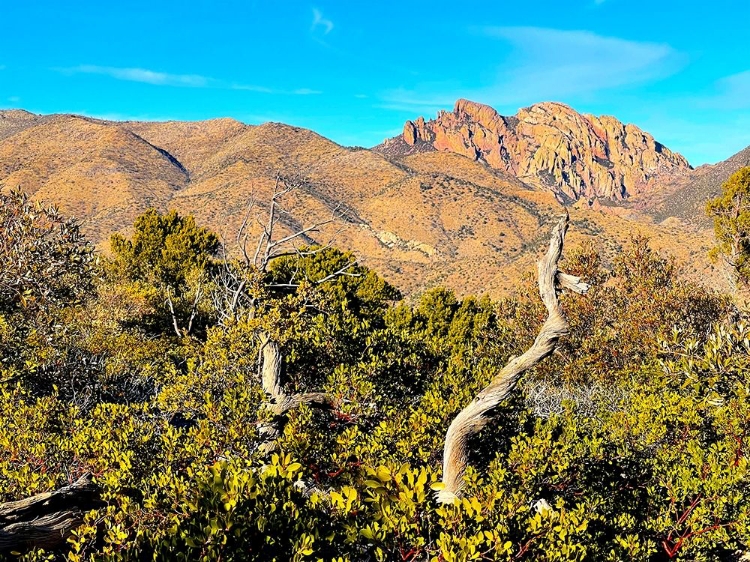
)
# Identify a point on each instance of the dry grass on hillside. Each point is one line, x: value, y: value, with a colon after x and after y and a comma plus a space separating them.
x: 434, y: 218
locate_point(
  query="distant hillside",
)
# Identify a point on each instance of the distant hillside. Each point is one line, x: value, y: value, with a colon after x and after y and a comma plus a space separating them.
x: 15, y: 120
x: 421, y: 217
x: 101, y: 173
x: 548, y: 145
x: 687, y: 199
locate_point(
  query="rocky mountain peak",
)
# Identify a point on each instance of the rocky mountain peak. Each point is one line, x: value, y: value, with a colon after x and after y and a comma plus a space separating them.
x: 549, y: 145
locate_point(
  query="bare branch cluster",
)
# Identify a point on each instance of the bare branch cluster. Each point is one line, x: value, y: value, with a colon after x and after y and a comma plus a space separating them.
x: 268, y: 246
x: 547, y: 399
x: 241, y: 282
x: 181, y: 332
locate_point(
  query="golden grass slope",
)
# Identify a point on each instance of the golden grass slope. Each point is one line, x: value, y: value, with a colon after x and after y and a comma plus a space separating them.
x: 429, y: 219
x: 101, y: 173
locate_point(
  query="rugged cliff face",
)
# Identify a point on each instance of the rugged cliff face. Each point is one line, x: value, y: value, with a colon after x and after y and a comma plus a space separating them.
x: 548, y: 145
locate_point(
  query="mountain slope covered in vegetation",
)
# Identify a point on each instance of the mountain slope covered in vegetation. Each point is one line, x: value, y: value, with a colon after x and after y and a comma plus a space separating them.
x: 422, y: 220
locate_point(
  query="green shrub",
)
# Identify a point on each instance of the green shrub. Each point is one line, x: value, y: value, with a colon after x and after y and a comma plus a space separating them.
x: 654, y: 467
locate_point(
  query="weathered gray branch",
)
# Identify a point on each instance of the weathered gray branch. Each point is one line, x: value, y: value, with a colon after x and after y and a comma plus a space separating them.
x: 279, y: 403
x: 475, y: 416
x: 193, y: 311
x: 270, y: 248
x: 46, y: 520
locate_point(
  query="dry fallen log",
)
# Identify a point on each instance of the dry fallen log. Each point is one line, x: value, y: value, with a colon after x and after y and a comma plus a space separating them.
x: 46, y: 520
x: 475, y: 416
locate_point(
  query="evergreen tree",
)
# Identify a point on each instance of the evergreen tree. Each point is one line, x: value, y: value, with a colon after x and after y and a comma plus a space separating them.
x: 731, y: 214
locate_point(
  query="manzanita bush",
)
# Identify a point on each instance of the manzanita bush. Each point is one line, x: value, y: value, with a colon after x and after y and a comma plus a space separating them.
x: 652, y: 465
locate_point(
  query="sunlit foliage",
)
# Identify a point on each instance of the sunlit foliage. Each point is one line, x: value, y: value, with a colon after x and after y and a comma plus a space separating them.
x: 731, y: 214
x: 47, y: 272
x: 631, y: 444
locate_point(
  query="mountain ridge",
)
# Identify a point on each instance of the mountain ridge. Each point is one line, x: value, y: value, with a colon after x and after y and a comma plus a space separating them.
x: 685, y: 199
x: 430, y: 217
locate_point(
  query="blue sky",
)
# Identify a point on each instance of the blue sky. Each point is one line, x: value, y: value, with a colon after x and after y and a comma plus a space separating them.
x: 355, y: 71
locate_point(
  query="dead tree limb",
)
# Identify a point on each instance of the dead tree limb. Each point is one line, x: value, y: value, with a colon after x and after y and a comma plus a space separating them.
x: 193, y: 311
x: 234, y: 279
x: 46, y: 520
x: 475, y: 416
x: 270, y: 247
x: 242, y: 285
x: 279, y: 403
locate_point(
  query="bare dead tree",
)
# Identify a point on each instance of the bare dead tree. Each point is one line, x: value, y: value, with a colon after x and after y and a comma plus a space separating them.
x: 476, y: 415
x: 234, y: 281
x: 237, y: 290
x: 46, y: 520
x: 268, y: 246
x: 280, y: 403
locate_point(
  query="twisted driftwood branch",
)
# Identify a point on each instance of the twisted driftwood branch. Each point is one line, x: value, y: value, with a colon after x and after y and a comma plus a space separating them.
x: 46, y: 520
x: 474, y: 417
x: 280, y: 403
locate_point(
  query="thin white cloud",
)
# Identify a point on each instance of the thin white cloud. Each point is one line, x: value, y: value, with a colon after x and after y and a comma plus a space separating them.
x: 156, y: 78
x: 305, y: 92
x: 264, y: 90
x: 551, y: 64
x: 14, y: 99
x: 562, y: 62
x: 142, y: 75
x: 252, y: 88
x: 2, y: 67
x: 320, y: 21
x: 725, y: 95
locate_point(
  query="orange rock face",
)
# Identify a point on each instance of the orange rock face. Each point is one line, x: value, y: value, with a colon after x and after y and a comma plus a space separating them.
x: 551, y: 145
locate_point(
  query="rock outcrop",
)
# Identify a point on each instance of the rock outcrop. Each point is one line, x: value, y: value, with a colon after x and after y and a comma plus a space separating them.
x: 548, y: 145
